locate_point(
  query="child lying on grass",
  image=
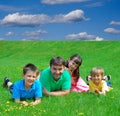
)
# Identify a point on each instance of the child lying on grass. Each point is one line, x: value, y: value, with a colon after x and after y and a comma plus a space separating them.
x: 77, y: 83
x: 26, y: 88
x: 96, y: 83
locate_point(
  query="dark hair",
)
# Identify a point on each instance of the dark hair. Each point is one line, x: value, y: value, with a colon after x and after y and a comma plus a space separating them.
x: 31, y: 67
x: 57, y: 61
x: 78, y: 60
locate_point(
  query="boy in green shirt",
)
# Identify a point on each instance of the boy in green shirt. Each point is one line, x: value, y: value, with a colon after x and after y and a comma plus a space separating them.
x: 56, y: 81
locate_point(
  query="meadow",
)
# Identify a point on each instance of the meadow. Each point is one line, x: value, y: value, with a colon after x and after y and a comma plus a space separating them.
x: 106, y: 54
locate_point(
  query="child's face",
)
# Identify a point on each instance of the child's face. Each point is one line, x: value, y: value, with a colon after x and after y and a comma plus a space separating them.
x: 72, y: 65
x: 29, y: 77
x: 96, y: 78
x: 57, y: 70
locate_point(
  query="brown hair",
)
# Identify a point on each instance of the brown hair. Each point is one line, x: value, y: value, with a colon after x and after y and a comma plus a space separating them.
x: 57, y: 61
x: 31, y: 67
x: 97, y: 70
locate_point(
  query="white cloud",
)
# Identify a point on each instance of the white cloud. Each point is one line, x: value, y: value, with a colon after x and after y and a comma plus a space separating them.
x: 73, y: 16
x: 17, y: 19
x: 7, y: 8
x: 114, y: 23
x: 96, y: 4
x: 9, y: 34
x: 35, y: 33
x: 82, y: 36
x: 61, y: 1
x: 99, y: 38
x: 112, y: 31
x: 31, y: 38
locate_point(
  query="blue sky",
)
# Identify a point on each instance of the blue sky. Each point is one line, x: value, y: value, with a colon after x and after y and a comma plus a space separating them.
x: 59, y: 19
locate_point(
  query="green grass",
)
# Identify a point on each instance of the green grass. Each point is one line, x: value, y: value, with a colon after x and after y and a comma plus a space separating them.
x: 15, y: 54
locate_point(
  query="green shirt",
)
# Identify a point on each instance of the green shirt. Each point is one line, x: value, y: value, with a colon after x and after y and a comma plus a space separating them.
x: 47, y: 80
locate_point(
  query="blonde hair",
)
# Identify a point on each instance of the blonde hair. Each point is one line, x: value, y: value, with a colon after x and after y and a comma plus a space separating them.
x: 97, y: 70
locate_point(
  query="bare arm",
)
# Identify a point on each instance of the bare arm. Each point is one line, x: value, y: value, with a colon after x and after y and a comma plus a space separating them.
x: 17, y: 100
x: 104, y: 88
x: 37, y: 101
x: 22, y: 102
x: 100, y: 92
x: 56, y: 93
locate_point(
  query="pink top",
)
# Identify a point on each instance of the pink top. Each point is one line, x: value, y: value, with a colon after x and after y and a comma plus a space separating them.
x: 78, y: 85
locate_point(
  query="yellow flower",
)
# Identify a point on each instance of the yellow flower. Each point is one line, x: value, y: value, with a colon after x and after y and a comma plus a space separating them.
x: 81, y: 113
x: 7, y: 102
x: 112, y: 97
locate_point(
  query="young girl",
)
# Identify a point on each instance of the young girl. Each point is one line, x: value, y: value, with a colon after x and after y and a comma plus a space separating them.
x: 96, y: 83
x: 72, y: 65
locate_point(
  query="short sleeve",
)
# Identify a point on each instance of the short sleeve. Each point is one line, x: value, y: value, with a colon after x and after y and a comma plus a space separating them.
x: 38, y: 89
x: 45, y: 81
x: 67, y: 81
x: 16, y: 92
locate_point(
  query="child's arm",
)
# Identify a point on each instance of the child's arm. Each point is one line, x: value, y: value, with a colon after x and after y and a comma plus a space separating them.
x: 17, y: 100
x: 104, y: 88
x: 97, y: 91
x: 22, y: 102
x: 103, y: 92
x: 37, y: 101
x: 100, y: 92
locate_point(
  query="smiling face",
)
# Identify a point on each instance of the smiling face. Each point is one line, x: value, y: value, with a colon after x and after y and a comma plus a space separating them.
x: 30, y: 77
x: 97, y: 75
x: 57, y: 70
x: 72, y: 65
x: 74, y: 62
x: 96, y: 78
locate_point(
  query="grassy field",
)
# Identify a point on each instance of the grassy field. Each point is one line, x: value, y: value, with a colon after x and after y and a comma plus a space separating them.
x: 15, y: 54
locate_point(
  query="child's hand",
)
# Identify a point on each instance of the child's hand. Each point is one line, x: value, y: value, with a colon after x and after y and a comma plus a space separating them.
x: 35, y: 102
x: 97, y: 91
x: 24, y: 103
x: 32, y: 103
